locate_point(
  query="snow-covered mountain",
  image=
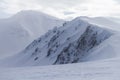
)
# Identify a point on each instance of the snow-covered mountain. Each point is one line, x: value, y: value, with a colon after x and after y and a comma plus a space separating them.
x: 75, y: 41
x: 93, y: 43
x: 21, y: 29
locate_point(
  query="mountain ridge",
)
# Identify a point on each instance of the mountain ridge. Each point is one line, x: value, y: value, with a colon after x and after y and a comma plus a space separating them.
x: 55, y: 46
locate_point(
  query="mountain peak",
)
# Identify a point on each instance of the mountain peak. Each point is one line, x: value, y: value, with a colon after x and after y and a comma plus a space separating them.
x: 71, y: 43
x: 33, y: 14
x: 22, y: 28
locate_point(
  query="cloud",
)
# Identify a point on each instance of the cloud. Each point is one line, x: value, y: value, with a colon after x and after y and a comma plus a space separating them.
x: 68, y: 13
x: 61, y: 3
x: 118, y: 1
x: 63, y: 8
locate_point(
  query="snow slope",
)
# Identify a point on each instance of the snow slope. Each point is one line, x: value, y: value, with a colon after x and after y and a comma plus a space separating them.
x: 96, y: 70
x: 21, y: 29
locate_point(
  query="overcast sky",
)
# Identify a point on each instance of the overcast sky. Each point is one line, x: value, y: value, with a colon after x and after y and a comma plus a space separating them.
x: 62, y: 8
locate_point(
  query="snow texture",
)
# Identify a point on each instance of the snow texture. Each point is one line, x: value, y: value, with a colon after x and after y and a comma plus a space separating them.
x: 96, y: 70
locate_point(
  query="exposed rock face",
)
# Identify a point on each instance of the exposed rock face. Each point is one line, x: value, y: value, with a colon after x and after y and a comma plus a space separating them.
x: 65, y: 48
x: 78, y: 49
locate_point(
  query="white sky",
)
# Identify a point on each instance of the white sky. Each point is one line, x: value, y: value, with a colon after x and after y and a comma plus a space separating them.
x: 62, y: 8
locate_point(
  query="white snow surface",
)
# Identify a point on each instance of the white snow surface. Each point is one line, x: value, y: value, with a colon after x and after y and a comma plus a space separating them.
x: 21, y: 29
x: 96, y: 70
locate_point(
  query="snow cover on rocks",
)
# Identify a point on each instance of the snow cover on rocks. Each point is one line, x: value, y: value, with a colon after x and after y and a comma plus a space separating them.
x: 75, y: 41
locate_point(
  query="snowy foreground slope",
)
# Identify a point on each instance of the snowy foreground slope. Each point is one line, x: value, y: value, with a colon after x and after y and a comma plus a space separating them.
x: 96, y: 70
x: 21, y: 29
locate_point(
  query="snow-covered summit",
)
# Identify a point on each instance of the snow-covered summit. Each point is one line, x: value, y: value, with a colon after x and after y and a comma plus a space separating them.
x: 32, y: 13
x: 37, y: 22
